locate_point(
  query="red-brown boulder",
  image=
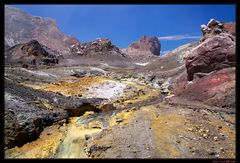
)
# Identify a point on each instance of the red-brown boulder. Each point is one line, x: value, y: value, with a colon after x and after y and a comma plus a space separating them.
x: 215, y: 53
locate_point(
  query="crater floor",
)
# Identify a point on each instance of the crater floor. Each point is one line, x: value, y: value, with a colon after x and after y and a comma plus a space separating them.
x: 140, y: 123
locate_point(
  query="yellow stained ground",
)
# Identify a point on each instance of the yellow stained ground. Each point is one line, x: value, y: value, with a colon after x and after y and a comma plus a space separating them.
x: 70, y: 86
x: 165, y: 127
x: 73, y: 145
x: 44, y: 147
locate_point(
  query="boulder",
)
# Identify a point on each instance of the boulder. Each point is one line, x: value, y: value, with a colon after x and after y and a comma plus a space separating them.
x: 215, y: 27
x: 216, y: 52
x: 212, y: 23
x: 25, y: 121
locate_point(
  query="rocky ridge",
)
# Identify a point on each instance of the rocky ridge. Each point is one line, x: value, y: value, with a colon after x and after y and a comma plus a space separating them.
x: 30, y: 52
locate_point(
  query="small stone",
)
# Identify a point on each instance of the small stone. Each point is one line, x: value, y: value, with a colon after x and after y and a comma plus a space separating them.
x: 129, y: 146
x: 201, y: 130
x: 191, y: 147
x: 118, y: 120
x: 221, y: 134
x: 180, y: 136
x: 211, y: 153
x: 197, y: 127
x: 134, y: 108
x: 205, y: 136
x: 215, y: 138
x: 207, y: 131
x: 87, y: 137
x: 178, y: 141
x: 96, y: 126
x: 190, y: 129
x: 221, y: 149
x: 219, y: 127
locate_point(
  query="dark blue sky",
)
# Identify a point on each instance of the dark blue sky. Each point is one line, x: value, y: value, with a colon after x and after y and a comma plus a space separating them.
x: 124, y: 24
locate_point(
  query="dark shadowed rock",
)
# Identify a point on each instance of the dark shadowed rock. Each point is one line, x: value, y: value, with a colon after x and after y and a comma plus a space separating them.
x: 32, y: 50
x: 29, y: 111
x: 25, y: 121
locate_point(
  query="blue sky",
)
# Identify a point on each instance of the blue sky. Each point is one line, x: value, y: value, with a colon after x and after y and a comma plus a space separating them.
x: 173, y: 24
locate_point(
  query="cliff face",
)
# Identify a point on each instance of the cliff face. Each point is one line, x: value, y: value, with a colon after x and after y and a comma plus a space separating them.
x: 210, y: 68
x: 146, y: 43
x: 21, y: 27
x: 217, y: 50
x: 144, y: 48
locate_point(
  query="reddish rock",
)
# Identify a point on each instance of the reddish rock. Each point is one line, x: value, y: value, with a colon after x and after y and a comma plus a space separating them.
x: 215, y: 53
x: 230, y: 28
x: 31, y: 52
x: 214, y: 89
x: 209, y: 78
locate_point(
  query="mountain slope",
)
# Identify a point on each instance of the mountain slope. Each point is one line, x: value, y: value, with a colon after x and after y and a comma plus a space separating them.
x: 21, y: 27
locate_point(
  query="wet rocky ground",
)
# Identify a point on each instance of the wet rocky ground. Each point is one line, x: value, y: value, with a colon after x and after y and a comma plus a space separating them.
x: 107, y: 112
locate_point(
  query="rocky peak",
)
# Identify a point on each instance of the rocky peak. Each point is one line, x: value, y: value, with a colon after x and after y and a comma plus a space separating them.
x: 146, y: 44
x: 102, y: 46
x: 215, y: 27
